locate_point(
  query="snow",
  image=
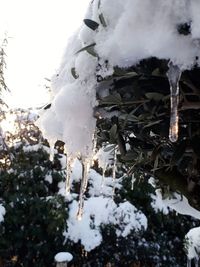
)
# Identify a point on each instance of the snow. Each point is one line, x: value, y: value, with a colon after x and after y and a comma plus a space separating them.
x: 134, y: 30
x: 100, y: 209
x: 193, y: 243
x: 2, y: 213
x: 63, y: 256
x: 148, y: 28
x: 176, y: 202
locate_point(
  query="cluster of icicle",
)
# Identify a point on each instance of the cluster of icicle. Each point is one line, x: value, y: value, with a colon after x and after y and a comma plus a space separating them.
x: 105, y: 159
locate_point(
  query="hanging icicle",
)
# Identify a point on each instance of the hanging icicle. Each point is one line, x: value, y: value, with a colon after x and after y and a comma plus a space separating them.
x: 114, y: 168
x: 69, y: 171
x: 103, y: 179
x: 86, y: 167
x: 133, y: 179
x: 83, y: 188
x: 174, y: 74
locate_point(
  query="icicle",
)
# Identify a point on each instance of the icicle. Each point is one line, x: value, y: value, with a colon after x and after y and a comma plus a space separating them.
x: 94, y: 142
x: 189, y: 262
x: 103, y: 179
x: 132, y: 181
x: 69, y: 171
x: 174, y: 74
x: 51, y: 144
x: 114, y: 168
x: 84, y: 182
x: 86, y: 167
x: 80, y: 208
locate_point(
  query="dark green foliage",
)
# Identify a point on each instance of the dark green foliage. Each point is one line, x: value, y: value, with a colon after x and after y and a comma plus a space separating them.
x: 141, y: 97
x: 32, y: 231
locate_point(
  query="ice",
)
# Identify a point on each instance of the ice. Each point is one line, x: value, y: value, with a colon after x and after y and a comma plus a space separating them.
x: 174, y: 74
x: 114, y: 167
x: 70, y: 161
x: 103, y: 179
x: 83, y: 188
x: 133, y: 179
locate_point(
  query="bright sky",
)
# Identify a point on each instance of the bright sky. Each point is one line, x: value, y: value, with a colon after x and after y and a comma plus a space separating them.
x: 38, y: 31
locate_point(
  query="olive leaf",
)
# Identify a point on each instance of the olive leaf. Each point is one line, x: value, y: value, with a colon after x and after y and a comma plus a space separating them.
x: 74, y: 74
x: 123, y: 72
x: 154, y: 96
x: 113, y: 134
x: 114, y: 99
x: 102, y: 20
x: 109, y: 148
x: 89, y: 49
x: 93, y: 25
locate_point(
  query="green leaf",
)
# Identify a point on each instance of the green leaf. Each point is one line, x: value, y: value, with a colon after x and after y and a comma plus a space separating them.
x: 99, y: 4
x: 102, y: 20
x: 109, y: 148
x: 130, y: 156
x: 113, y: 133
x: 85, y: 48
x: 123, y: 72
x: 154, y: 96
x: 111, y: 100
x: 157, y: 73
x: 93, y: 25
x: 74, y: 74
x: 92, y: 52
x: 47, y: 106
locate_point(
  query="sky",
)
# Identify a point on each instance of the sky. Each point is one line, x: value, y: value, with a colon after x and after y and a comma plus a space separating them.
x: 37, y: 33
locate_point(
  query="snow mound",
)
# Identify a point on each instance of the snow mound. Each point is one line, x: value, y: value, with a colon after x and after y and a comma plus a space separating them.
x: 63, y: 256
x: 100, y: 211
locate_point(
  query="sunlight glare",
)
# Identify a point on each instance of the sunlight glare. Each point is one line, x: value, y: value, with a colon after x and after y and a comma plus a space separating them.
x: 38, y: 32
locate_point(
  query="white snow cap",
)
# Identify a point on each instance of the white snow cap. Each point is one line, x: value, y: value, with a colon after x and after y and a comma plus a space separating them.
x: 133, y: 30
x: 149, y: 28
x: 63, y: 256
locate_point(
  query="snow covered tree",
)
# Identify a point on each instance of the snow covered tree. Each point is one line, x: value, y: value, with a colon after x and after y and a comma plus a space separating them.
x: 32, y: 229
